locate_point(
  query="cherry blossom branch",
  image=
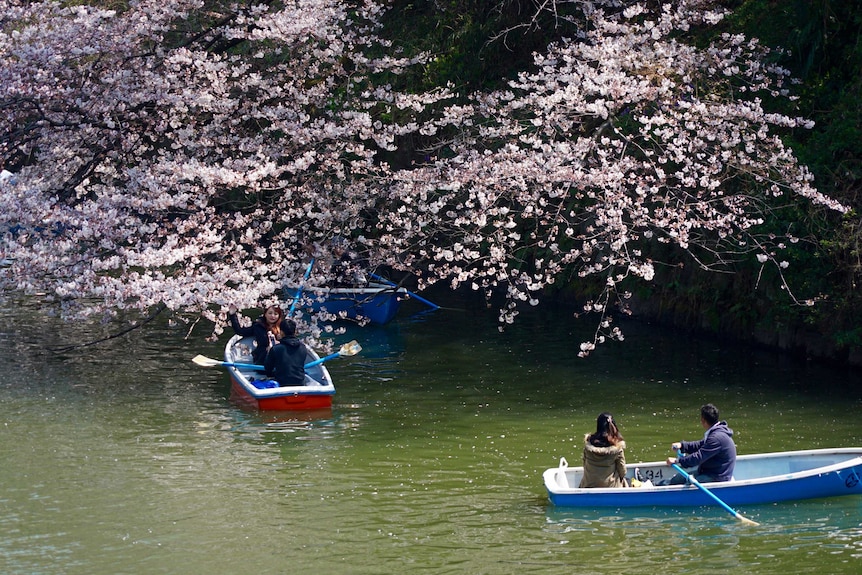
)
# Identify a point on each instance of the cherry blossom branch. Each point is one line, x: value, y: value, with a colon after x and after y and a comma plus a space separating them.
x: 137, y: 325
x: 155, y: 166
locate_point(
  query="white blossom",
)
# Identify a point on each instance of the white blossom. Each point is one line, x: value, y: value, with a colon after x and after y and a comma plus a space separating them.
x: 159, y: 169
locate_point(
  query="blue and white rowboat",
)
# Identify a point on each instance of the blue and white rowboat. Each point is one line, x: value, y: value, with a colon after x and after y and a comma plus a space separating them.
x: 758, y: 478
x: 375, y: 302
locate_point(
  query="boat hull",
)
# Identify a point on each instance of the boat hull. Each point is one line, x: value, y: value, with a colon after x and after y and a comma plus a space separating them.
x: 315, y: 394
x: 759, y: 479
x: 377, y: 303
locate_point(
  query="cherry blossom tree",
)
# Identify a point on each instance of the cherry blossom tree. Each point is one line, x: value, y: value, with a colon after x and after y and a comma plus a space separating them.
x: 192, y: 154
x: 623, y: 139
x: 183, y: 153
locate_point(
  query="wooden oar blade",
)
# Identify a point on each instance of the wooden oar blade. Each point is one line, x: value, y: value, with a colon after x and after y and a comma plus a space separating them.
x: 746, y: 520
x: 205, y: 361
x: 350, y: 348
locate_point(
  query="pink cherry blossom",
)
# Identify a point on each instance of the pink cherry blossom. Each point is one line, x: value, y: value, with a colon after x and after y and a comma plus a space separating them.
x: 196, y: 155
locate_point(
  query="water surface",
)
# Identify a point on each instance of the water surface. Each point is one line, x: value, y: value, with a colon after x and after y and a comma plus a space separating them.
x: 127, y: 458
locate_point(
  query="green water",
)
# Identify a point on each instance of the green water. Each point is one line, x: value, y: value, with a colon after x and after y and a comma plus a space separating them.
x: 128, y: 458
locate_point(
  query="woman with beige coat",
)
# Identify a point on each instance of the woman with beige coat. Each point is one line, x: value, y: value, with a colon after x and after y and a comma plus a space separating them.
x: 604, y: 455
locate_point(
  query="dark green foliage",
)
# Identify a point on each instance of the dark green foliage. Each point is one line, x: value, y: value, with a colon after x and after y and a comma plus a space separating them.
x: 824, y: 39
x: 476, y: 44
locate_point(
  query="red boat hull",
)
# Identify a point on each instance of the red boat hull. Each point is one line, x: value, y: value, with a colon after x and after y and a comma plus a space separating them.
x: 314, y: 395
x: 287, y: 402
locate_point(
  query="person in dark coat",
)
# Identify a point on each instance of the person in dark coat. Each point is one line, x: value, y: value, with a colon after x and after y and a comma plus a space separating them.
x: 286, y: 360
x: 714, y: 455
x: 267, y: 330
x: 347, y: 269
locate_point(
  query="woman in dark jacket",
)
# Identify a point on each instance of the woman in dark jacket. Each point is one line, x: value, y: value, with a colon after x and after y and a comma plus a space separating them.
x: 267, y: 330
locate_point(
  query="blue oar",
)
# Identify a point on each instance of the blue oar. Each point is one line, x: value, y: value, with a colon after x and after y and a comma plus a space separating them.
x: 348, y: 349
x: 432, y: 305
x: 700, y: 486
x: 208, y: 362
x: 301, y: 287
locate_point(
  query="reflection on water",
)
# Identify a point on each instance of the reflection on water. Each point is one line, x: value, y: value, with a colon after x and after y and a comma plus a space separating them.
x: 787, y: 533
x: 127, y: 454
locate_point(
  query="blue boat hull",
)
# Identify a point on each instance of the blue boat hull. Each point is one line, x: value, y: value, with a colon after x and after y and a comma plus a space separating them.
x: 377, y: 303
x: 759, y: 479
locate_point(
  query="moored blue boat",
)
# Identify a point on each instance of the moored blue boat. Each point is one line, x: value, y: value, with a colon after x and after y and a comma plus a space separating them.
x: 374, y: 302
x: 758, y: 478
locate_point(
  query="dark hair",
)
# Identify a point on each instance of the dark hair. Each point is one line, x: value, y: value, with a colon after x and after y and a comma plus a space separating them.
x: 709, y: 413
x: 606, y: 433
x: 289, y: 327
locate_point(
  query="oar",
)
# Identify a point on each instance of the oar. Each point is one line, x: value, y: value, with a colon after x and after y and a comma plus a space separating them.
x: 432, y: 305
x: 700, y: 486
x: 301, y: 287
x: 205, y: 361
x: 348, y: 349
